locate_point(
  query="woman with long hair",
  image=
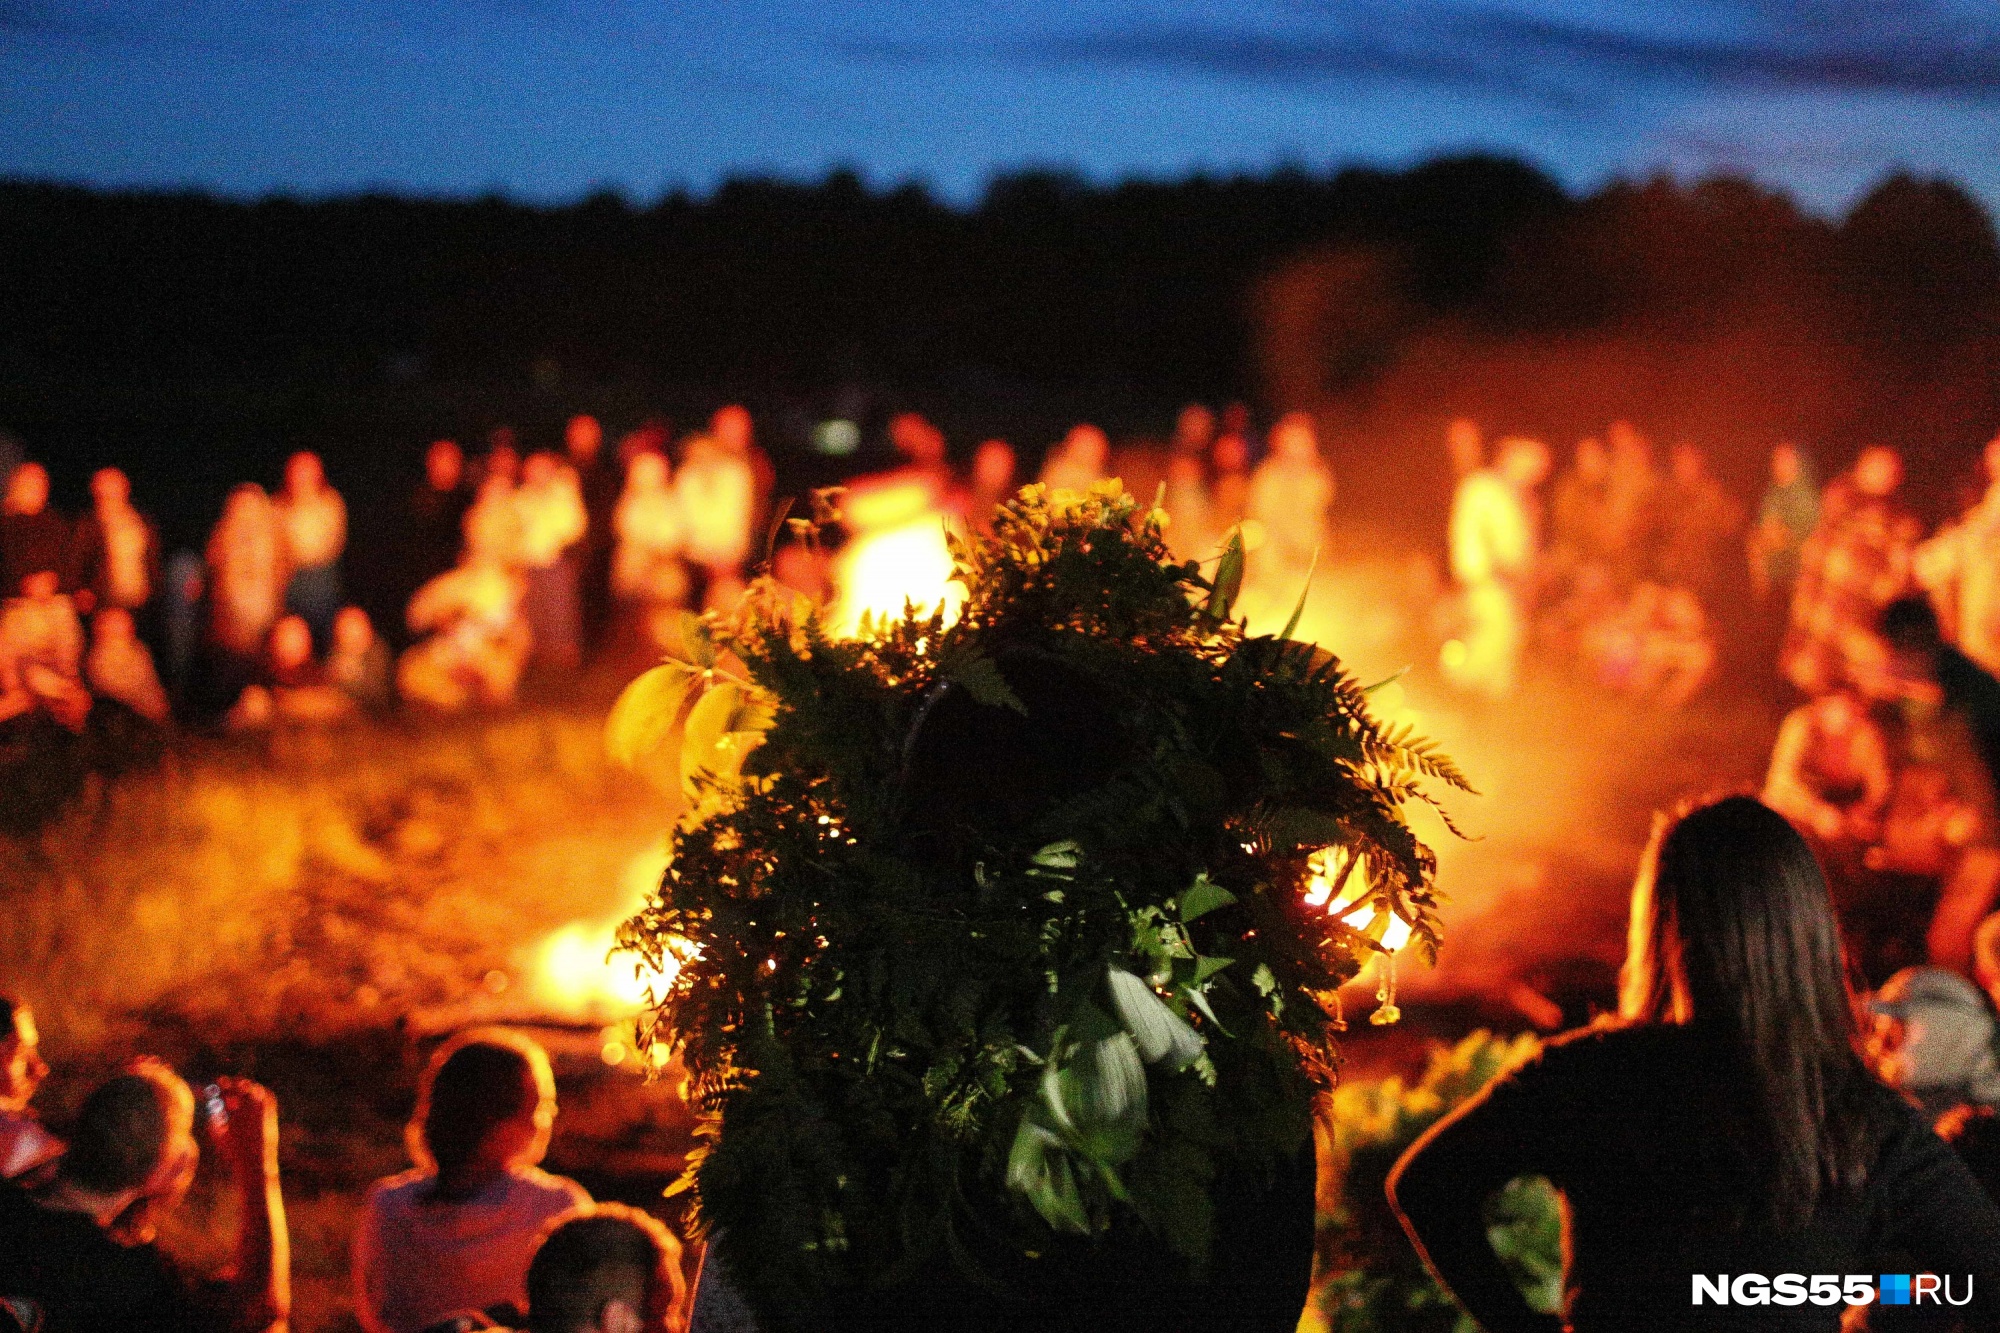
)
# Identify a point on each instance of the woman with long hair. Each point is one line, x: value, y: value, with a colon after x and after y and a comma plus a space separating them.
x: 1725, y: 1125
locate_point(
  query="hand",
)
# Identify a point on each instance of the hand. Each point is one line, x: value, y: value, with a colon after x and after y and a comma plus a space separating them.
x: 247, y: 1139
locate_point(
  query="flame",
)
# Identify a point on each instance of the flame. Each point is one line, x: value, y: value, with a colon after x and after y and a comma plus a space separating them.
x: 574, y: 971
x: 901, y: 559
x: 1356, y: 905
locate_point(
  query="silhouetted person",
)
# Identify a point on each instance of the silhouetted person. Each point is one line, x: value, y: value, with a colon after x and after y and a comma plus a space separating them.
x: 607, y: 1269
x: 80, y: 1248
x: 716, y: 488
x: 1951, y: 709
x: 313, y: 521
x: 1829, y: 771
x: 1786, y: 517
x: 437, y: 513
x: 1078, y: 462
x: 1726, y: 1124
x: 358, y: 662
x: 599, y: 483
x: 1291, y: 495
x: 1855, y: 563
x: 552, y: 521
x: 116, y: 554
x: 649, y: 576
x: 120, y: 667
x: 1960, y: 568
x: 991, y: 481
x: 1493, y: 554
x: 457, y: 1232
x: 41, y: 653
x: 244, y: 591
x: 33, y: 536
x: 1698, y: 525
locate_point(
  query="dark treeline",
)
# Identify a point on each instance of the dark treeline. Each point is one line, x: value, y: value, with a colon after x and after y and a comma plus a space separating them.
x: 1048, y: 283
x: 1386, y: 301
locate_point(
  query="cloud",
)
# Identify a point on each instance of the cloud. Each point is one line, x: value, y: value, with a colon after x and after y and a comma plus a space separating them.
x: 1836, y: 46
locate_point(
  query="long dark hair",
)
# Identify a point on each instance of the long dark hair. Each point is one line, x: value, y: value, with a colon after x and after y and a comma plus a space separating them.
x: 1733, y: 935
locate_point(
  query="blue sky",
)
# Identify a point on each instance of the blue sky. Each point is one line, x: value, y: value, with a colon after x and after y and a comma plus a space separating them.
x: 548, y: 99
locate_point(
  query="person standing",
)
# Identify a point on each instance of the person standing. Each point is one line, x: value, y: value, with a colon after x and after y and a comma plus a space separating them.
x: 1493, y: 551
x: 1698, y: 524
x: 598, y: 483
x: 312, y: 518
x: 715, y: 488
x: 551, y: 522
x: 244, y: 589
x: 1785, y: 518
x: 33, y: 536
x: 1960, y: 568
x: 1077, y: 463
x: 1855, y: 563
x: 116, y: 554
x: 1726, y: 1123
x: 1291, y: 496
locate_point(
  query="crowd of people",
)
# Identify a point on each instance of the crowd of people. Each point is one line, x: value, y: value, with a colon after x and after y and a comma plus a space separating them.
x: 475, y: 1236
x: 512, y: 562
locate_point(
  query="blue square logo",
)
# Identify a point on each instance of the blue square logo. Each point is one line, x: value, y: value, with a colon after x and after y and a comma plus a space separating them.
x: 1894, y: 1289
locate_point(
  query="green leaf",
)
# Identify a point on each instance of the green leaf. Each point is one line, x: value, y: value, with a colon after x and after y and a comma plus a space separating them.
x: 1063, y: 855
x: 1202, y: 897
x: 982, y: 680
x: 1204, y: 968
x: 1300, y: 609
x: 1228, y: 579
x: 725, y: 724
x: 1160, y: 1034
x: 647, y: 711
x: 1038, y: 1167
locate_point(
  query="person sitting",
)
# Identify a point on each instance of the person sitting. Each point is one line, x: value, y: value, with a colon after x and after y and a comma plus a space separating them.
x: 476, y: 640
x: 26, y: 1149
x: 33, y: 536
x: 607, y: 1269
x: 120, y: 667
x: 1946, y: 779
x: 78, y: 1252
x: 1728, y: 1123
x: 457, y: 1232
x: 294, y: 688
x: 358, y: 663
x: 1934, y: 1039
x: 1829, y: 770
x: 41, y: 652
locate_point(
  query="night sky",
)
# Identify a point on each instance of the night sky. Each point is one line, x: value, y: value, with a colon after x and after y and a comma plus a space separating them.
x: 550, y: 99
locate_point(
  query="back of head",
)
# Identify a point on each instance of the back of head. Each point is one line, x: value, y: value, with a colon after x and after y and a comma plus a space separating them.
x: 601, y: 1254
x: 124, y: 1131
x: 1910, y: 624
x: 475, y: 1083
x: 1733, y: 934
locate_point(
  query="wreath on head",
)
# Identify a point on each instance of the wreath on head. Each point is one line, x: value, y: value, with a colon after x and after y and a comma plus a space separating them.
x: 1019, y: 923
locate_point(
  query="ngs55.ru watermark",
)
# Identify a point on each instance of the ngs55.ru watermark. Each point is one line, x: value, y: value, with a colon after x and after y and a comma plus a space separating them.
x: 1831, y: 1289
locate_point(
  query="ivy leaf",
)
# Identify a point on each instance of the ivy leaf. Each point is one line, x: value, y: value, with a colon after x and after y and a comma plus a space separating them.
x: 646, y: 712
x: 1202, y: 897
x: 1160, y: 1034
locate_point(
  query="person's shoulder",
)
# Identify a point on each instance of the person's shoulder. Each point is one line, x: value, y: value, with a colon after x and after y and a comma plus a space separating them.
x: 1614, y: 1049
x: 398, y: 1192
x: 551, y: 1190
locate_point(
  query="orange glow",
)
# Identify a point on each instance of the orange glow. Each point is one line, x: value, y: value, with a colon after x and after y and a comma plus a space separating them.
x: 573, y: 971
x: 903, y: 559
x: 1354, y: 905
